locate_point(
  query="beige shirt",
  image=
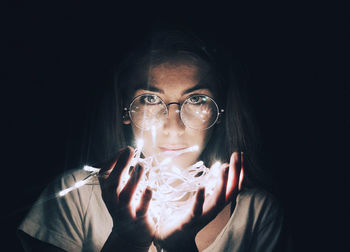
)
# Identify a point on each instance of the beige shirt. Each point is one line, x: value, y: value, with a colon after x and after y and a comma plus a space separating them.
x: 80, y: 221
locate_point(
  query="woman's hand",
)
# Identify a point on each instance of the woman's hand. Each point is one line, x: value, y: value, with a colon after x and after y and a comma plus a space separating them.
x: 205, y: 208
x: 130, y: 225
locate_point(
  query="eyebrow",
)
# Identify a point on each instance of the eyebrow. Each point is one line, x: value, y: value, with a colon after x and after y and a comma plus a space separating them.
x: 187, y: 91
x: 196, y: 87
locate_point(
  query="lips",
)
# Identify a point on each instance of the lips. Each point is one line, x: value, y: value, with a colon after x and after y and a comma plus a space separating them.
x: 172, y: 147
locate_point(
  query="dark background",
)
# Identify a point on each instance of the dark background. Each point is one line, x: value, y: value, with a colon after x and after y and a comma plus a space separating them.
x: 58, y: 56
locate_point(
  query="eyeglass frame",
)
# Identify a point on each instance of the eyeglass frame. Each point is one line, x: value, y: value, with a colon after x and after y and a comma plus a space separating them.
x: 219, y: 111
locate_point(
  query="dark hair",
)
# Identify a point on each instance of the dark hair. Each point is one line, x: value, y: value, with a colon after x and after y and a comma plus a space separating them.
x: 236, y: 130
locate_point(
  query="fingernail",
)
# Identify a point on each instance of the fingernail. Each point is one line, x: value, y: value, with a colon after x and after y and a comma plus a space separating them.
x: 138, y: 168
x: 136, y: 172
x: 234, y: 157
x: 148, y: 191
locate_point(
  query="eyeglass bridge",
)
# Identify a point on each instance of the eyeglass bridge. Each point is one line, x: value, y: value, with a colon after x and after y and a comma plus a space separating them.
x: 177, y: 103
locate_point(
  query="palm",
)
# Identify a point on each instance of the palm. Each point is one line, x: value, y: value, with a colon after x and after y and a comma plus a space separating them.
x: 182, y: 227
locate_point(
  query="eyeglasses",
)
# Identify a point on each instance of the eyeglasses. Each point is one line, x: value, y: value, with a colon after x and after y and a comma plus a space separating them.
x: 199, y: 112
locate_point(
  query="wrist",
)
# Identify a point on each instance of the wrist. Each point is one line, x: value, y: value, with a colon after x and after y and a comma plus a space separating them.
x: 132, y: 243
x: 116, y: 242
x: 188, y: 246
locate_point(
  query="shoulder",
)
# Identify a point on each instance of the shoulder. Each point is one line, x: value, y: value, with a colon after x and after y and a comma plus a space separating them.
x: 61, y: 220
x: 70, y: 177
x: 255, y: 223
x: 68, y: 180
x: 66, y: 188
x: 257, y: 197
x: 259, y: 207
x: 52, y: 200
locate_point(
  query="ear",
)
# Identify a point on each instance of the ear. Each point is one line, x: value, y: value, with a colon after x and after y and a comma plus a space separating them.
x: 126, y: 118
x: 126, y: 122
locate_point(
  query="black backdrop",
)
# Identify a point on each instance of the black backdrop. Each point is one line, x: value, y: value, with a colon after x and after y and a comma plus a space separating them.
x: 59, y: 55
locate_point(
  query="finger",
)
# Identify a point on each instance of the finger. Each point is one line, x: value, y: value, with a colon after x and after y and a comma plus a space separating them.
x: 130, y: 187
x: 215, y: 203
x: 106, y: 169
x: 224, y: 179
x: 195, y: 220
x: 241, y: 176
x: 113, y: 179
x: 232, y: 174
x: 235, y: 167
x: 199, y: 201
x: 144, y: 204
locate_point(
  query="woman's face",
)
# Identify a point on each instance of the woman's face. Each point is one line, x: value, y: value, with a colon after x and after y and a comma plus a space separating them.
x: 173, y: 83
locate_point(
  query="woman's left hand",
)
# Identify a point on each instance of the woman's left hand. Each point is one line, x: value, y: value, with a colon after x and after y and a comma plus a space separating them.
x: 205, y: 209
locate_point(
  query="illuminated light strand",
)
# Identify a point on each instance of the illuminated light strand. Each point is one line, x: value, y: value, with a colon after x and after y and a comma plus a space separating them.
x: 168, y: 182
x: 174, y: 189
x: 90, y: 168
x: 93, y: 173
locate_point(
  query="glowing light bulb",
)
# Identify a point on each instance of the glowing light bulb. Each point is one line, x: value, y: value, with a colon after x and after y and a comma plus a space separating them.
x: 63, y: 192
x: 80, y: 183
x: 199, y: 163
x: 193, y: 148
x: 176, y: 170
x: 139, y: 144
x: 166, y: 161
x: 215, y: 169
x: 90, y: 168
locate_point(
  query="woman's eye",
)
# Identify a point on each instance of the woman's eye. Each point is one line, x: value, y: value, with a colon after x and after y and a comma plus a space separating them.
x: 150, y: 99
x: 197, y: 99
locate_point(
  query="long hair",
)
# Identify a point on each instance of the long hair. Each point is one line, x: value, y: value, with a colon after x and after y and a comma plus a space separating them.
x: 236, y: 129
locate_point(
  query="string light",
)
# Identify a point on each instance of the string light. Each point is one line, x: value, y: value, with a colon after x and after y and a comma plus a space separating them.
x: 174, y: 189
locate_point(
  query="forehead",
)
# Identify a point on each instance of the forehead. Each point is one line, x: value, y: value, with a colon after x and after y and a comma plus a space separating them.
x: 173, y: 78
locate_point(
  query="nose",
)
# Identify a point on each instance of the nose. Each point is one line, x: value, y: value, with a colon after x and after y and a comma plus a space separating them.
x: 173, y: 125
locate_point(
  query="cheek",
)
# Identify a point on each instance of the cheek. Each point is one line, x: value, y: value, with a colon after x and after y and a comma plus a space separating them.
x: 136, y: 132
x: 200, y: 136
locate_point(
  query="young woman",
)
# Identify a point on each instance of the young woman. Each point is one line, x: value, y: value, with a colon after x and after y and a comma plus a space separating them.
x: 158, y: 91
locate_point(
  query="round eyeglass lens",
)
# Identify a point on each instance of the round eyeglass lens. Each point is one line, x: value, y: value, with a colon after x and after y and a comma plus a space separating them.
x: 199, y: 112
x: 148, y: 110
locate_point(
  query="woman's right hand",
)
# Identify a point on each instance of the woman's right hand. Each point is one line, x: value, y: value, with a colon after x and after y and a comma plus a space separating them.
x: 130, y: 225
